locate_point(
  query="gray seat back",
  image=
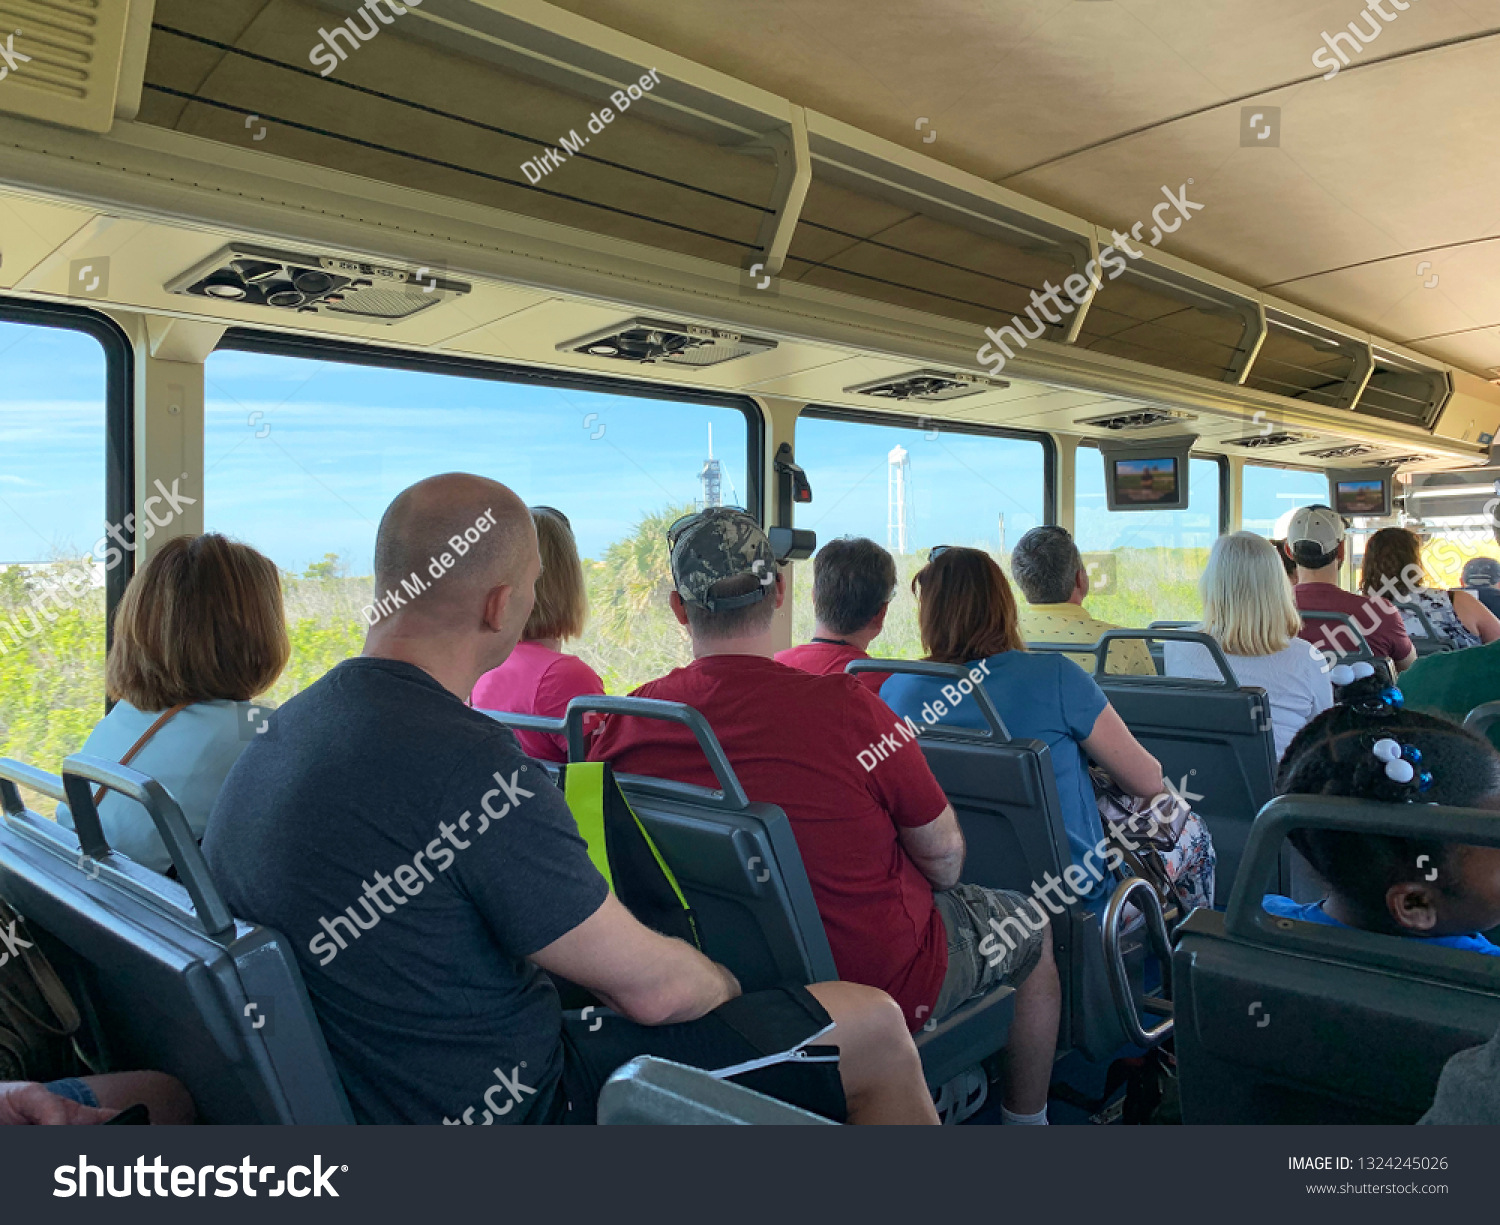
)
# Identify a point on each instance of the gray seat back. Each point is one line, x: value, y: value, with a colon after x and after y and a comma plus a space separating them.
x: 657, y: 1092
x: 736, y: 861
x: 166, y: 978
x: 1280, y: 1021
x: 1344, y: 637
x: 1213, y: 739
x: 1430, y: 641
x: 1004, y: 792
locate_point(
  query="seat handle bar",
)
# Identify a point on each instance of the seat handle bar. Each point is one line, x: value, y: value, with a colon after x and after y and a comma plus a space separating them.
x: 81, y: 769
x: 731, y: 795
x: 1114, y: 957
x: 995, y: 729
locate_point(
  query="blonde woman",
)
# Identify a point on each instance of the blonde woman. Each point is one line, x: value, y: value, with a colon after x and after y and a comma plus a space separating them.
x: 540, y: 678
x: 199, y: 631
x: 1249, y: 608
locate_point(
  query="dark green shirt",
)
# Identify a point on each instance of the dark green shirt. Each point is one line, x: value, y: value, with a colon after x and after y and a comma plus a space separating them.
x: 1453, y: 683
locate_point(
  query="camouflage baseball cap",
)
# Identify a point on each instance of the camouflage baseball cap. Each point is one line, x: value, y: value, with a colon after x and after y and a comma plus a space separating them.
x: 718, y: 544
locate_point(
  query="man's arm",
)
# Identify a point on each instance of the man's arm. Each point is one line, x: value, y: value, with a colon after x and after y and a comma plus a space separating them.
x: 650, y: 978
x: 937, y: 848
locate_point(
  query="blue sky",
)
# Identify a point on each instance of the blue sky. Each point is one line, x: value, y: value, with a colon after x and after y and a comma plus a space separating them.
x: 52, y: 388
x: 333, y: 444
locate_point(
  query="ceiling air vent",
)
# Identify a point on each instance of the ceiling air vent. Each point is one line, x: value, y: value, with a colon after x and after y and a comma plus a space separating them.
x: 298, y: 283
x: 1350, y: 451
x: 1256, y: 441
x: 64, y: 57
x: 648, y: 342
x: 929, y: 385
x: 1143, y: 419
x: 1395, y: 461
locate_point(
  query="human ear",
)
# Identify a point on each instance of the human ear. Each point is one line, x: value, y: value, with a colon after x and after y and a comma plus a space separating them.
x: 1412, y: 906
x: 679, y: 610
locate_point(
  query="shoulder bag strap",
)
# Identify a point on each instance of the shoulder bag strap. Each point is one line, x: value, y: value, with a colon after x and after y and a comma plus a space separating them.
x: 141, y: 743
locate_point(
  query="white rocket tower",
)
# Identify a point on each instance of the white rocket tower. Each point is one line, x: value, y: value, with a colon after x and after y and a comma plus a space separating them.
x: 712, y: 477
x: 900, y: 516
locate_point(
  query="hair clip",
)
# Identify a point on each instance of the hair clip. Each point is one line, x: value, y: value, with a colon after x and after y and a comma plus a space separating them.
x: 1347, y: 674
x: 1402, y: 762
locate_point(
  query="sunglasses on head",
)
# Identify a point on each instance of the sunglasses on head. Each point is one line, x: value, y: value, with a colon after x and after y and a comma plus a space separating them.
x: 674, y: 533
x: 554, y: 512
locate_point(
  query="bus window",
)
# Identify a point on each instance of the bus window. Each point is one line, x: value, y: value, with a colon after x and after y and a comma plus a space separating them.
x: 1144, y: 566
x: 302, y: 456
x: 1272, y: 494
x: 54, y: 402
x: 909, y: 489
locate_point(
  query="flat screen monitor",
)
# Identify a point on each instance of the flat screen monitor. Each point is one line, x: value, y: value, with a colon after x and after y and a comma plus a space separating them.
x: 1361, y: 497
x: 1151, y: 481
x: 1147, y: 476
x: 1362, y: 494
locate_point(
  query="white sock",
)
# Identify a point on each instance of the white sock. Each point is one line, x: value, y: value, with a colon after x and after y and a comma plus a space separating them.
x: 1039, y: 1119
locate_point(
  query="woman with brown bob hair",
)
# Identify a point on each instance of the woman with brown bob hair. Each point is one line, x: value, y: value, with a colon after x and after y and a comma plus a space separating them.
x: 1392, y: 569
x: 199, y: 631
x: 539, y: 677
x: 967, y: 615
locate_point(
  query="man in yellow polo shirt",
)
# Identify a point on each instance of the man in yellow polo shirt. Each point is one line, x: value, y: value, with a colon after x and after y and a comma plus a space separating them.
x: 1051, y: 575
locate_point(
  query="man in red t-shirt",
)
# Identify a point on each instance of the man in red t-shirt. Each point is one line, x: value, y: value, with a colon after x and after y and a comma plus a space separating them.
x: 876, y: 843
x: 1315, y: 540
x: 854, y: 582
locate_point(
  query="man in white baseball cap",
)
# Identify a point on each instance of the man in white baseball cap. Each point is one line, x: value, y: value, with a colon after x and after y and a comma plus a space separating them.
x: 1315, y: 541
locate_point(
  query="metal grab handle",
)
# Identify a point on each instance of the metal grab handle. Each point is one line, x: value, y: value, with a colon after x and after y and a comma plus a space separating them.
x: 1207, y: 641
x: 13, y: 772
x: 1362, y: 649
x: 1100, y: 652
x: 192, y: 869
x: 731, y: 796
x: 996, y: 731
x: 528, y: 723
x: 1114, y: 958
x: 1428, y: 628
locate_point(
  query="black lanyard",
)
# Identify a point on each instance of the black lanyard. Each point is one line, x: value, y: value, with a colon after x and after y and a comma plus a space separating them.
x: 832, y: 642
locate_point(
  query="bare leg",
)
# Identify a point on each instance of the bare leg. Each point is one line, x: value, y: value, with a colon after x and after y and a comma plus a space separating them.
x: 164, y: 1096
x: 1033, y: 1036
x: 878, y: 1061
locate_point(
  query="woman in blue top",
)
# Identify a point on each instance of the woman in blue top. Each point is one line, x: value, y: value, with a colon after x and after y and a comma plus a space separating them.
x: 200, y: 631
x: 967, y: 615
x: 1370, y: 748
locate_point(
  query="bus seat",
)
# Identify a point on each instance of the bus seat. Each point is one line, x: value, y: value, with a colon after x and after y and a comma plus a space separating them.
x: 738, y: 865
x: 1286, y: 1022
x: 1484, y: 720
x: 1429, y: 641
x: 1350, y: 636
x: 166, y: 979
x: 1005, y: 794
x: 1213, y: 739
x: 657, y: 1092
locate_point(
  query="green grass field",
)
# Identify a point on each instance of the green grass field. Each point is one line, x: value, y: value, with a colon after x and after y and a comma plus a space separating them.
x: 52, y: 683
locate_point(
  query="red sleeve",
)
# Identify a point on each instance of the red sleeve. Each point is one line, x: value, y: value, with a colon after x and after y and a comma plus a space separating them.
x: 901, y: 781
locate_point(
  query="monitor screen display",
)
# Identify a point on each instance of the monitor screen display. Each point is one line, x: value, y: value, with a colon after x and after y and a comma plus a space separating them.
x: 1144, y: 482
x: 1360, y: 497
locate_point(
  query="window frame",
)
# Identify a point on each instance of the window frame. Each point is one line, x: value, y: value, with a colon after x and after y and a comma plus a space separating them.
x: 861, y: 416
x: 388, y: 357
x: 119, y: 423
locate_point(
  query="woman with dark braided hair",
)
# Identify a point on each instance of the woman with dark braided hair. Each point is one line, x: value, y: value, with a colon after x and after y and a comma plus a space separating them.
x: 1369, y: 747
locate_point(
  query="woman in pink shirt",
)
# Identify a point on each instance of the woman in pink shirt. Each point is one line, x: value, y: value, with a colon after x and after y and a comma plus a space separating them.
x: 538, y: 678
